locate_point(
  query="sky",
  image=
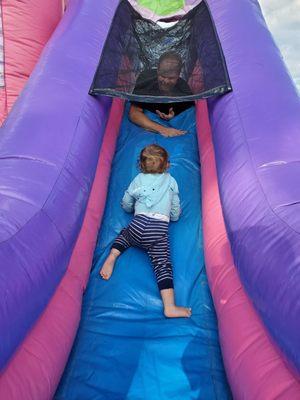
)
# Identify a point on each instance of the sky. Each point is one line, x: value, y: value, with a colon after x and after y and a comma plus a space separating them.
x: 283, y: 19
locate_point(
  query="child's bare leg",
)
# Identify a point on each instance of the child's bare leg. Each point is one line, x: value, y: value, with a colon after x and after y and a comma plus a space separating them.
x: 109, y: 264
x: 170, y: 308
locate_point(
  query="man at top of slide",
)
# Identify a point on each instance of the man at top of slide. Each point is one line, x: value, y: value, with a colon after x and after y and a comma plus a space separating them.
x: 163, y: 81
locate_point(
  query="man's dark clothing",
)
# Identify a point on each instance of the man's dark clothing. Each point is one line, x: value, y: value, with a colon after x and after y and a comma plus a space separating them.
x: 147, y: 85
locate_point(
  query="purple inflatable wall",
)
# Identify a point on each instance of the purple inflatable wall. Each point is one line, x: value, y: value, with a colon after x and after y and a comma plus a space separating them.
x: 49, y: 148
x: 256, y: 132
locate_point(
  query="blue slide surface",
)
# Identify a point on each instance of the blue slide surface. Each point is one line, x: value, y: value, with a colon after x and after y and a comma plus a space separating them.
x: 125, y: 348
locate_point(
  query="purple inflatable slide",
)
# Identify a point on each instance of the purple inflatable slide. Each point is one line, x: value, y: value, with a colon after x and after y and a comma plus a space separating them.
x: 56, y: 148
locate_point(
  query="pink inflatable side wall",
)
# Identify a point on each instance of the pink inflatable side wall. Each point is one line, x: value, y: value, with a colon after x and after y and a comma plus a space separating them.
x: 255, y: 369
x: 35, y: 370
x: 26, y: 25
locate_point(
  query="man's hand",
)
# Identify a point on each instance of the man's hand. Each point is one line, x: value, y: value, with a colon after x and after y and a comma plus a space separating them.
x: 164, y: 116
x: 171, y: 132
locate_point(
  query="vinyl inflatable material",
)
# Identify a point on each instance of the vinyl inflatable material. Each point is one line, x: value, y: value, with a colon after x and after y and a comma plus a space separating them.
x: 26, y: 27
x: 49, y: 149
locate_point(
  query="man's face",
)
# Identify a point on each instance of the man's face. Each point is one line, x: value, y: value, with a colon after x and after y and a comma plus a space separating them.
x: 167, y: 75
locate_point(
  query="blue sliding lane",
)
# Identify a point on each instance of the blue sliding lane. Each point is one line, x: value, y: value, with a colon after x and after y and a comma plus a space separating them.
x: 125, y: 347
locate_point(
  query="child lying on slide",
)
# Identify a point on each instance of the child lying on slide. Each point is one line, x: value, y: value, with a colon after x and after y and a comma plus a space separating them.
x: 153, y: 196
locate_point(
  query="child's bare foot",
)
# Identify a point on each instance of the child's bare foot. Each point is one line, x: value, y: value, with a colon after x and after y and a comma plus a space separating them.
x: 108, y: 266
x: 170, y: 309
x: 177, y: 312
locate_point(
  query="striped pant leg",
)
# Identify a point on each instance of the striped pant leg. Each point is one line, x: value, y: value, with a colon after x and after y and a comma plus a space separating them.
x: 122, y: 242
x: 137, y: 228
x: 130, y: 236
x: 159, y: 253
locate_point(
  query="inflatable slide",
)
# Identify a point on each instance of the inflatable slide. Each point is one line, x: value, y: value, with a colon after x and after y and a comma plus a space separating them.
x: 67, y: 157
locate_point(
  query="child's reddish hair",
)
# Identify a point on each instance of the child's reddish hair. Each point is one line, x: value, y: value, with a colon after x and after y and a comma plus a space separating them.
x: 154, y: 159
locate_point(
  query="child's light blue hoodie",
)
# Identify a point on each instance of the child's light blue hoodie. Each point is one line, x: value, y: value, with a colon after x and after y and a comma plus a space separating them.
x: 153, y: 193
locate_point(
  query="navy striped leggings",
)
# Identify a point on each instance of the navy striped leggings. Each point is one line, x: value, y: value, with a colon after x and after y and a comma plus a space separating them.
x: 151, y: 235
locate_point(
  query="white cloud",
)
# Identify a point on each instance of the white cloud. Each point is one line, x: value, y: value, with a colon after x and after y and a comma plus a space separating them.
x: 283, y: 19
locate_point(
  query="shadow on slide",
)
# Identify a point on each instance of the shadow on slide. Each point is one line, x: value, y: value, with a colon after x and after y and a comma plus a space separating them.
x: 125, y: 348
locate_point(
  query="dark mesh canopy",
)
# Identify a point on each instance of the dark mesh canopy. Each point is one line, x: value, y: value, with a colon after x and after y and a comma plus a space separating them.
x: 143, y: 62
